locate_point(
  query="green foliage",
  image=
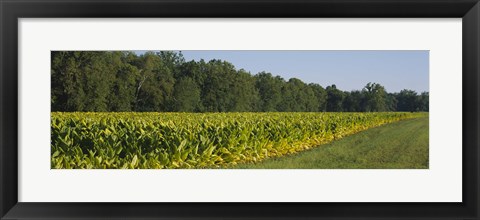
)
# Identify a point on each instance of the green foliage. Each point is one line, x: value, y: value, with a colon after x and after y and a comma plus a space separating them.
x: 163, y: 81
x: 320, y: 96
x: 375, y: 97
x: 409, y: 100
x: 186, y: 95
x: 122, y: 94
x: 354, y: 101
x: 246, y: 96
x: 156, y: 82
x: 195, y: 140
x: 217, y: 94
x: 270, y: 91
x: 400, y: 145
x: 298, y: 97
x: 335, y: 99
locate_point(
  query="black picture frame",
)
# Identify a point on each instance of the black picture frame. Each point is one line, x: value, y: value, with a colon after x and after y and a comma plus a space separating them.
x: 11, y: 10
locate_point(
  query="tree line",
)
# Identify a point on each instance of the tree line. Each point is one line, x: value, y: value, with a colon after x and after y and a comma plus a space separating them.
x: 165, y: 82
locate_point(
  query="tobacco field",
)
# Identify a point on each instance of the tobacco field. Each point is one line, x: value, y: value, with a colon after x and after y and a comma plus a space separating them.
x: 134, y: 140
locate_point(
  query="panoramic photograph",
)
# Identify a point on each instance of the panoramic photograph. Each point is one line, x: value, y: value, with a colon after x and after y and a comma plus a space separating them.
x: 240, y: 109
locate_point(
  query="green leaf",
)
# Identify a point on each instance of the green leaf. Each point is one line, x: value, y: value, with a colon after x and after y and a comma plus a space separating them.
x: 134, y: 161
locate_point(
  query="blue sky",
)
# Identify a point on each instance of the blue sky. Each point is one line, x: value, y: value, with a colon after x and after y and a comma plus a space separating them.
x: 348, y: 70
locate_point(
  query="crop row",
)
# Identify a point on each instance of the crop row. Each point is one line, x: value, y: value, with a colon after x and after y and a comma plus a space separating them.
x: 195, y: 140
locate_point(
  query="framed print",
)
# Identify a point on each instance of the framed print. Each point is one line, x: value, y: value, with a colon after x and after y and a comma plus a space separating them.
x: 224, y: 109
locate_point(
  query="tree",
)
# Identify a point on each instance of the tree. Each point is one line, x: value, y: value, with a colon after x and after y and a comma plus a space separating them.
x: 334, y: 99
x: 311, y: 101
x: 391, y: 102
x: 320, y: 96
x: 122, y: 94
x: 186, y: 96
x: 407, y: 101
x: 297, y: 97
x: 245, y: 95
x: 155, y: 84
x: 216, y: 92
x: 354, y: 101
x: 375, y: 97
x: 164, y: 81
x: 81, y: 81
x: 423, y: 102
x: 67, y: 93
x: 270, y: 91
